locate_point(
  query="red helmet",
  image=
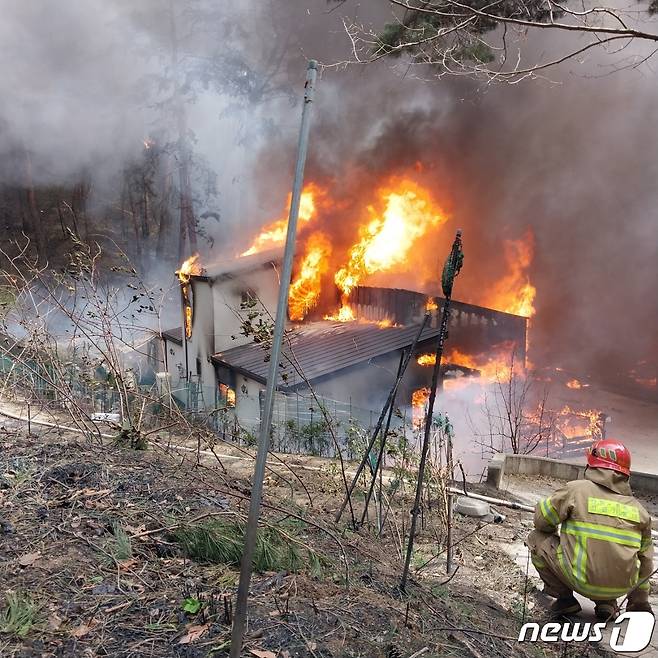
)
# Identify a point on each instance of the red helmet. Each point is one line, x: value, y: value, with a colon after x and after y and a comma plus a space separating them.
x: 611, y: 454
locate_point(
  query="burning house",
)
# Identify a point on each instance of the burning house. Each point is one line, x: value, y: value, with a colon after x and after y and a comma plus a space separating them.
x: 347, y: 327
x: 218, y: 359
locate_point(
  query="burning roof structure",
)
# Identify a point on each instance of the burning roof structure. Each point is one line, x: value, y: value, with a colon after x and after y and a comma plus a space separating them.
x: 320, y: 349
x: 389, y: 239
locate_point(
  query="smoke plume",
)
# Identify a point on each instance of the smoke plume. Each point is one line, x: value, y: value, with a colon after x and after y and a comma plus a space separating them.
x: 573, y: 160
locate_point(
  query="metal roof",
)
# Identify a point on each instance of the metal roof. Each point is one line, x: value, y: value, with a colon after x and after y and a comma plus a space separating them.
x: 321, y: 348
x: 175, y: 335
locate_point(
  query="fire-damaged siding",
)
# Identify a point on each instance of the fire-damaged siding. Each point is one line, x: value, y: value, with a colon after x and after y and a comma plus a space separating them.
x: 475, y: 328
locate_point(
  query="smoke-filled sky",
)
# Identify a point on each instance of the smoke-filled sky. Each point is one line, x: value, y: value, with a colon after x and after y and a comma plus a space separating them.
x: 575, y: 158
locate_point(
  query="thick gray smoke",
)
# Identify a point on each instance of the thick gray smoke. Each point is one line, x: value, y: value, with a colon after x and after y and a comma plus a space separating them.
x: 69, y: 90
x: 576, y: 161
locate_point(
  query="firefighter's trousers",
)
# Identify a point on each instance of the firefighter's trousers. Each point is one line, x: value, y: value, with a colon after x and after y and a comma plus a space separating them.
x: 543, y: 553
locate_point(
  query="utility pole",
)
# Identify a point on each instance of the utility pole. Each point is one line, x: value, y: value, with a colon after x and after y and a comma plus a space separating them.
x: 450, y: 271
x: 240, y: 617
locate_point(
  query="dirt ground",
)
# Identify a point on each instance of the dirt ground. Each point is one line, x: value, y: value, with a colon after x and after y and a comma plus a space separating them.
x: 88, y: 547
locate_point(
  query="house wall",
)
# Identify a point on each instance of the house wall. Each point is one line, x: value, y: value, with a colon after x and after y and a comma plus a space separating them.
x: 247, y: 401
x: 229, y: 291
x: 365, y: 385
x: 175, y: 367
x: 201, y: 344
x: 216, y: 325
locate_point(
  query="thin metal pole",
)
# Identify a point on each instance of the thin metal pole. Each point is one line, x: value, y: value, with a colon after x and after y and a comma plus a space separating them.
x: 240, y: 617
x: 449, y: 537
x: 445, y: 317
x: 450, y: 499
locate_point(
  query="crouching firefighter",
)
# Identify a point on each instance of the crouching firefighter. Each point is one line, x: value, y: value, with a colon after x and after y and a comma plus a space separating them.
x: 603, y: 550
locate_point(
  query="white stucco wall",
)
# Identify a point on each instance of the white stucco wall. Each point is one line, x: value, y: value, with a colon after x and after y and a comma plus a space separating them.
x: 247, y: 405
x: 227, y: 297
x: 201, y: 344
x: 216, y: 323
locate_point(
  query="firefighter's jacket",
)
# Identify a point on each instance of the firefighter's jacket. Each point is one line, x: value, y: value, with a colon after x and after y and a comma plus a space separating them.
x: 605, y: 545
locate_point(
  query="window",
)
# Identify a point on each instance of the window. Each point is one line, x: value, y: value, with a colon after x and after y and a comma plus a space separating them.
x: 226, y: 396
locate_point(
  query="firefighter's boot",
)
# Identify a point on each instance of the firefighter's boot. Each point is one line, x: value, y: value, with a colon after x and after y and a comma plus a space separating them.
x: 566, y: 605
x: 605, y: 610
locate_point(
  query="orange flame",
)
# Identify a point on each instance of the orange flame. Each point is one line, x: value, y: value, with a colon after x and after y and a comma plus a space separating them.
x: 492, y: 367
x: 386, y: 239
x: 431, y: 305
x: 420, y: 397
x: 579, y: 423
x: 305, y: 289
x: 576, y: 384
x: 514, y: 293
x: 418, y: 400
x: 344, y: 314
x: 274, y: 234
x: 187, y: 270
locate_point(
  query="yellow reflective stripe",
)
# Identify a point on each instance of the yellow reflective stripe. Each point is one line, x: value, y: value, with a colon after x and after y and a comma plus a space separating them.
x: 644, y: 586
x: 603, y: 532
x: 582, y: 586
x: 537, y: 561
x: 563, y: 564
x: 548, y: 512
x: 603, y: 592
x: 646, y: 544
x: 613, y: 508
x: 580, y: 559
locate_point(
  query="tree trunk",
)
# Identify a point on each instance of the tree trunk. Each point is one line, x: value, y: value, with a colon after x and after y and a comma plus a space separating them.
x: 79, y: 205
x: 187, y: 221
x: 32, y: 210
x: 145, y: 209
x: 164, y: 211
x: 138, y: 241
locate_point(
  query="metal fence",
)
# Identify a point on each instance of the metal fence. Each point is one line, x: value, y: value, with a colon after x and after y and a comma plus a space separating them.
x: 302, y: 423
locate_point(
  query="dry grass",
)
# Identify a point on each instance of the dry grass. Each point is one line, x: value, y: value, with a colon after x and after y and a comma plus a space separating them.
x: 126, y: 540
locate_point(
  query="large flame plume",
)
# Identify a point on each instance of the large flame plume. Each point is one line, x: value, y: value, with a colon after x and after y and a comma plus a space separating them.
x: 390, y: 224
x: 514, y: 293
x: 274, y: 235
x: 385, y: 240
x: 305, y: 289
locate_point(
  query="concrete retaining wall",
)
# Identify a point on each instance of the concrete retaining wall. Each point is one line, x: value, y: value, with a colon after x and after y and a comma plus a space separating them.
x: 501, y: 464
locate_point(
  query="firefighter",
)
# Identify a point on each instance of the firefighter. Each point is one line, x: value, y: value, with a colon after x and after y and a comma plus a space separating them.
x: 604, y: 547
